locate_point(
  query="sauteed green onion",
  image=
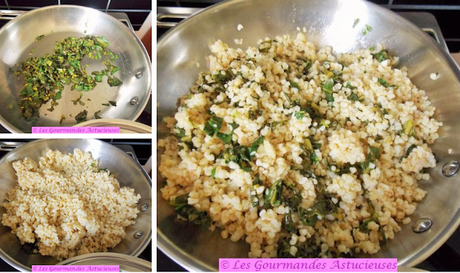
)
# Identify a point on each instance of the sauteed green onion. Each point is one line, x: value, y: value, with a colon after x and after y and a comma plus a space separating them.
x: 45, y: 77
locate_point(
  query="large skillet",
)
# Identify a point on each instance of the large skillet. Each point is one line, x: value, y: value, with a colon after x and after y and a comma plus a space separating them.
x: 326, y: 23
x: 17, y: 40
x: 127, y: 171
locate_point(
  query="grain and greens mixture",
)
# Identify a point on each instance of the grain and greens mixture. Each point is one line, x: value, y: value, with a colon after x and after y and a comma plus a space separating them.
x: 65, y: 205
x: 45, y: 77
x: 299, y: 152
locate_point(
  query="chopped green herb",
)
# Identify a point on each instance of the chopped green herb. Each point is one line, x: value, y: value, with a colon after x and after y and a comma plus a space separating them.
x: 38, y: 38
x: 288, y: 223
x: 189, y: 213
x: 307, y: 67
x: 180, y: 132
x: 113, y: 103
x: 381, y: 56
x: 47, y: 75
x: 97, y: 114
x: 374, y: 152
x: 273, y: 195
x: 255, y: 146
x: 299, y: 115
x: 383, y: 82
x: 356, y: 22
x: 294, y: 85
x: 353, y: 97
x: 81, y: 116
x: 213, y: 125
x: 213, y: 172
x: 77, y: 100
x: 367, y: 29
x: 327, y: 89
x: 114, y: 81
x: 410, y: 149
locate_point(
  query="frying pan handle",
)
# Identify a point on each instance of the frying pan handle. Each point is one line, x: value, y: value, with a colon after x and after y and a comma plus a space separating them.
x: 169, y: 17
x: 9, y: 146
x: 122, y: 17
x: 8, y: 15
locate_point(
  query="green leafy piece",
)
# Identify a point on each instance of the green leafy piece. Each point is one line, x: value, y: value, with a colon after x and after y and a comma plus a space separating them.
x: 114, y: 81
x: 374, y: 218
x: 213, y: 125
x: 314, y: 158
x: 255, y: 146
x: 45, y: 76
x: 97, y: 114
x: 58, y: 95
x: 288, y: 223
x: 77, y: 100
x: 273, y: 195
x: 39, y: 37
x: 113, y: 103
x: 98, y: 78
x: 381, y: 56
x: 223, y: 76
x: 257, y: 180
x: 355, y: 22
x: 410, y: 149
x: 367, y: 29
x: 383, y: 82
x: 189, y: 213
x: 299, y: 115
x: 374, y: 153
x: 322, y: 207
x: 294, y: 85
x: 213, y: 172
x: 327, y: 89
x: 179, y: 132
x: 102, y: 41
x: 81, y: 116
x: 226, y: 138
x: 353, y: 97
x: 307, y: 67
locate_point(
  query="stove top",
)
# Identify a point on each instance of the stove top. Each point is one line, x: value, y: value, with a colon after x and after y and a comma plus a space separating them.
x: 447, y: 256
x: 136, y: 148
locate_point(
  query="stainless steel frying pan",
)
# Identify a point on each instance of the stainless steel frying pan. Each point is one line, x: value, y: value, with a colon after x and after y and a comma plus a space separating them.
x: 326, y: 23
x: 127, y: 171
x: 17, y: 40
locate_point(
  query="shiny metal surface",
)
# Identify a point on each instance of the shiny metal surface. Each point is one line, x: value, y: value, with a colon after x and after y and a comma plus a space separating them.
x: 450, y: 168
x: 126, y: 263
x: 167, y: 13
x: 326, y: 23
x: 422, y: 225
x: 128, y: 172
x: 17, y: 39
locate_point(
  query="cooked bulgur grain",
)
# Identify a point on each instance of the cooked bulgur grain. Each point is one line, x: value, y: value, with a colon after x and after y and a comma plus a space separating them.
x: 300, y: 152
x: 67, y: 206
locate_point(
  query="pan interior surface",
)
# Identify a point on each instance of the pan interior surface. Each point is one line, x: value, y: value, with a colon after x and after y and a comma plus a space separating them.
x: 125, y: 169
x: 17, y: 43
x: 325, y: 23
